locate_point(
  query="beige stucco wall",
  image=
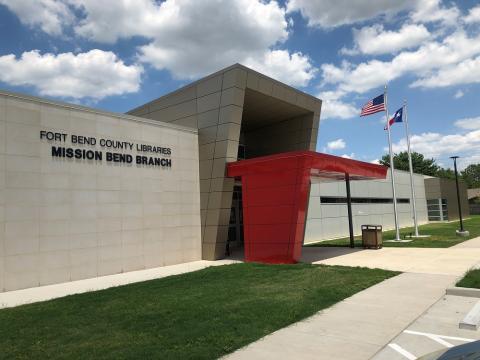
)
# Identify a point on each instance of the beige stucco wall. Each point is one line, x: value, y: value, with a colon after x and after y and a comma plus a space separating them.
x: 68, y: 219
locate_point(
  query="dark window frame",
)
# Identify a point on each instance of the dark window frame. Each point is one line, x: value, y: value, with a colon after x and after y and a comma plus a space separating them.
x: 361, y: 200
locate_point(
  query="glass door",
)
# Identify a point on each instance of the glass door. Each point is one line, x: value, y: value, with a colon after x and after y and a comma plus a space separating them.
x: 235, y: 228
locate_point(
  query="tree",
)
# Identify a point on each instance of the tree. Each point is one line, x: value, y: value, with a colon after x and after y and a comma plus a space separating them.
x: 471, y: 175
x: 420, y: 164
x: 445, y: 173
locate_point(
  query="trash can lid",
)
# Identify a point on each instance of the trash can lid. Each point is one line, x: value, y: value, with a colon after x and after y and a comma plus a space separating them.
x: 372, y: 226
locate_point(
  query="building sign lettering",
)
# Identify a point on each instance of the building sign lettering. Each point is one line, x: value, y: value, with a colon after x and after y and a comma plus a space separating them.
x: 156, y: 156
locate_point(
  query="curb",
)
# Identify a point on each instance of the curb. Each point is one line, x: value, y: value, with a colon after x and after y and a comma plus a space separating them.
x: 471, y: 321
x: 461, y: 291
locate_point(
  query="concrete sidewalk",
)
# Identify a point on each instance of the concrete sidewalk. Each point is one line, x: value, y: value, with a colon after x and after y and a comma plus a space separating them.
x: 360, y: 326
x: 448, y: 261
x: 357, y: 327
x: 472, y: 243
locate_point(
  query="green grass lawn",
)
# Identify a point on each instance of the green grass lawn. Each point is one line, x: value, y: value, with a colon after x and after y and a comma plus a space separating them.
x: 442, y: 235
x: 471, y: 279
x: 199, y: 315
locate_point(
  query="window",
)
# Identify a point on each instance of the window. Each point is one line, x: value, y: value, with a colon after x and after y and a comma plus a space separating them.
x: 361, y: 200
x: 242, y: 152
x: 437, y: 209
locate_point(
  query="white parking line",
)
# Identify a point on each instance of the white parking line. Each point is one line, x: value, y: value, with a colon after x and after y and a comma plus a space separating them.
x: 439, y: 338
x: 402, y: 351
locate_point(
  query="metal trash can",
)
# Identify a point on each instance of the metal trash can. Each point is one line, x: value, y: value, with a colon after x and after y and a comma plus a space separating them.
x: 372, y: 236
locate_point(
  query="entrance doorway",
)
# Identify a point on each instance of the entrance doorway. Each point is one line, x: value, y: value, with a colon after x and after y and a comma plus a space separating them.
x: 235, y: 227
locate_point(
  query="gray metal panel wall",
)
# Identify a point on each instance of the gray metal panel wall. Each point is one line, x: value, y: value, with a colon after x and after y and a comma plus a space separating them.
x: 215, y: 106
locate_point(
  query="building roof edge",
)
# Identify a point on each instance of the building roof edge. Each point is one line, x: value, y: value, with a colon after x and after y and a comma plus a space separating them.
x: 76, y: 107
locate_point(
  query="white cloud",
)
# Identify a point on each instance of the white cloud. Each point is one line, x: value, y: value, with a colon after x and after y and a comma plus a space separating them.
x: 434, y: 55
x: 459, y: 94
x: 473, y: 15
x: 191, y: 38
x: 348, y: 156
x: 332, y: 13
x: 465, y: 72
x: 434, y: 11
x: 335, y: 108
x: 374, y: 40
x: 465, y: 143
x: 441, y: 146
x: 375, y: 161
x: 467, y: 159
x: 436, y: 144
x: 469, y: 123
x: 336, y: 144
x: 108, y: 21
x: 294, y: 69
x: 361, y: 78
x: 50, y: 15
x: 95, y: 74
x: 190, y: 22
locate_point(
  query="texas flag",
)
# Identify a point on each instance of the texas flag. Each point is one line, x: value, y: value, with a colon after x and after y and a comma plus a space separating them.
x: 397, y: 117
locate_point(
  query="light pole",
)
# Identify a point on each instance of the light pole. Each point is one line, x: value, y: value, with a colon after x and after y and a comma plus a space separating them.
x: 462, y: 231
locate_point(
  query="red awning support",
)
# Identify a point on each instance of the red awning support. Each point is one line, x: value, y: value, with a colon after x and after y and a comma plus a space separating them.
x: 275, y: 192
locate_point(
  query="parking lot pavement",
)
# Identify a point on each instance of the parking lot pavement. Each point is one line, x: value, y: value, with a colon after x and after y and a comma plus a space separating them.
x: 436, y: 329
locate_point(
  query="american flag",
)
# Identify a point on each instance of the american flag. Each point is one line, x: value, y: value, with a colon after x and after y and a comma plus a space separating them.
x: 373, y: 106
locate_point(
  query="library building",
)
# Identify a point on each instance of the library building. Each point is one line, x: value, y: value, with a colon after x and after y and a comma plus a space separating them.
x: 225, y: 164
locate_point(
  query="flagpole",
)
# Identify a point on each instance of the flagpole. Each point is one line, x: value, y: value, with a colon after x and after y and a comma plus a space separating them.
x: 412, y: 186
x: 392, y: 169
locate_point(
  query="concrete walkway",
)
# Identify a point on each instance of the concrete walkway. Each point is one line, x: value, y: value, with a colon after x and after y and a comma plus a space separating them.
x: 448, y: 261
x: 357, y: 327
x: 360, y: 326
x: 42, y: 293
x: 472, y: 243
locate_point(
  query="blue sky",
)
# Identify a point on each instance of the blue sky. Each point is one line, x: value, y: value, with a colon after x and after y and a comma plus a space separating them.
x: 118, y: 54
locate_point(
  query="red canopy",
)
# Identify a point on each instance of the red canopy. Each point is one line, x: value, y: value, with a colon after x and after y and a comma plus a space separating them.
x: 275, y: 193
